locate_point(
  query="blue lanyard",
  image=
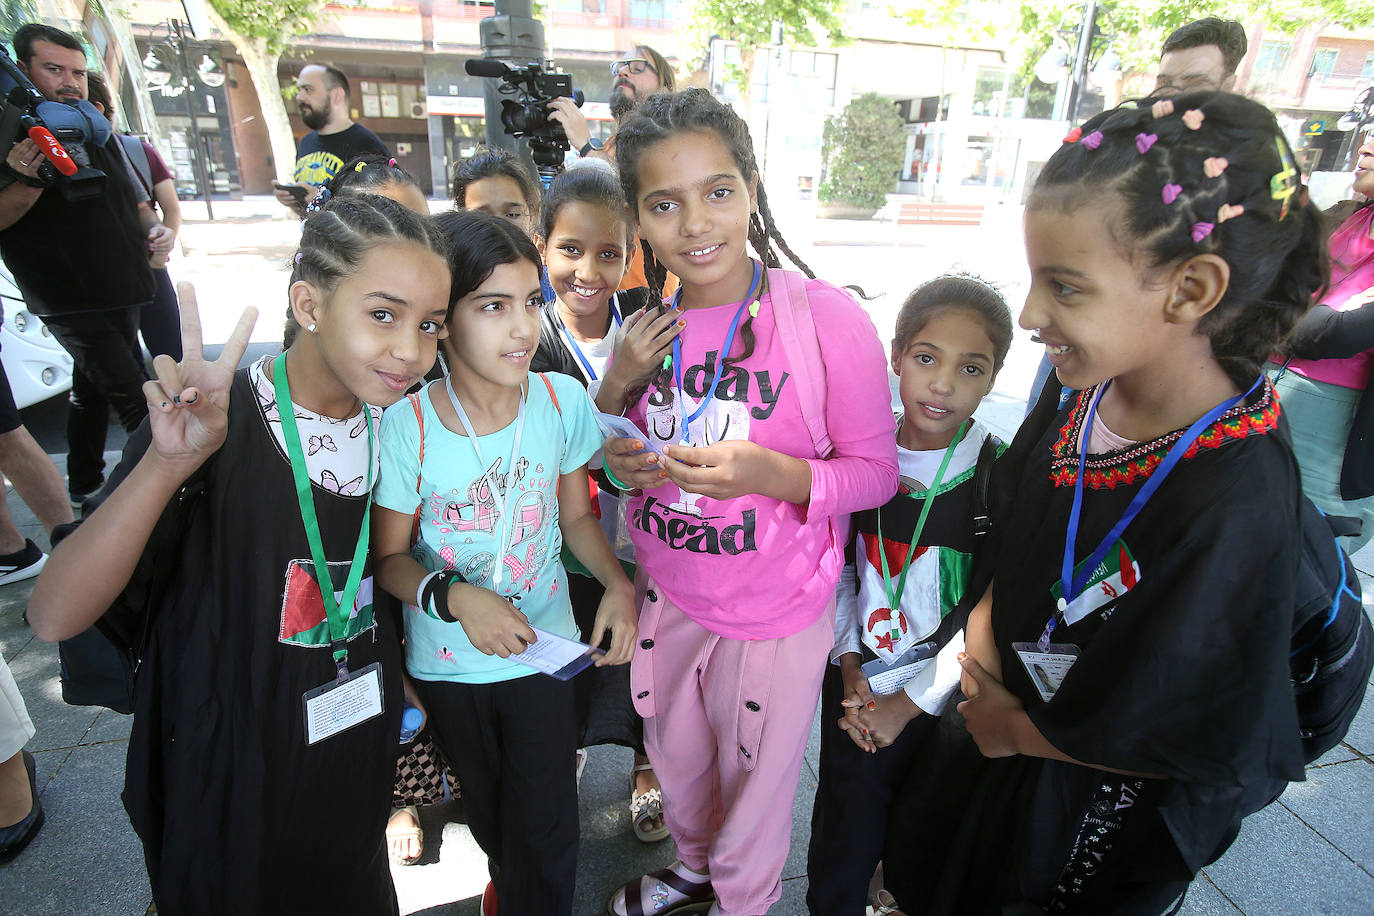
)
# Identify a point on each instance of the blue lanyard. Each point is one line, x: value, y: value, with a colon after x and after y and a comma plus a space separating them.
x: 683, y: 436
x: 572, y: 341
x: 1071, y: 584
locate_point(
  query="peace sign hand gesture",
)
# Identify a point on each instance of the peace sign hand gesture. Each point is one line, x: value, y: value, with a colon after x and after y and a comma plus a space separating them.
x: 188, y: 401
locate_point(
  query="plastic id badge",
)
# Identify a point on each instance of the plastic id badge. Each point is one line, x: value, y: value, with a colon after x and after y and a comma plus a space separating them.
x: 613, y: 426
x: 557, y: 656
x: 885, y: 679
x: 341, y: 704
x: 1046, y: 668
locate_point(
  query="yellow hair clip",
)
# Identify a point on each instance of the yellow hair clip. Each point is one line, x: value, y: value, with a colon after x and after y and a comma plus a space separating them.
x: 360, y: 166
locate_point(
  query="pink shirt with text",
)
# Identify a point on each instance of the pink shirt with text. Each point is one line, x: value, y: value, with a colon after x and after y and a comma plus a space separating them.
x: 753, y: 567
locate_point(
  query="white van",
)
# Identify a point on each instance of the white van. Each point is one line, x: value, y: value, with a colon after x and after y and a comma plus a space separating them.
x: 34, y: 361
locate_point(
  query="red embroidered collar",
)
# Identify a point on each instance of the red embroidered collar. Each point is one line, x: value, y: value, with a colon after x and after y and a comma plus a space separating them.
x: 1138, y: 462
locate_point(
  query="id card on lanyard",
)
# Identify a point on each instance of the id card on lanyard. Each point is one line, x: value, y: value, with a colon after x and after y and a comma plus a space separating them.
x: 1048, y: 663
x: 352, y: 697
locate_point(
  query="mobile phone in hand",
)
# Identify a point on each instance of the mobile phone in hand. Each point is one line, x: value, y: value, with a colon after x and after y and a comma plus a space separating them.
x: 294, y: 190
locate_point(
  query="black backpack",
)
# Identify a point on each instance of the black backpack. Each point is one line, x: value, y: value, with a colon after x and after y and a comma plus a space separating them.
x: 98, y: 665
x: 1333, y: 644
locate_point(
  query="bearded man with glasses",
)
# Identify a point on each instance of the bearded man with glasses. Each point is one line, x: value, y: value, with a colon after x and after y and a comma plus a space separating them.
x: 634, y: 77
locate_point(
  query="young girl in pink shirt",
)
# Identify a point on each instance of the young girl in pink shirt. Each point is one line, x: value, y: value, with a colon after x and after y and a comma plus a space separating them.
x: 741, y: 522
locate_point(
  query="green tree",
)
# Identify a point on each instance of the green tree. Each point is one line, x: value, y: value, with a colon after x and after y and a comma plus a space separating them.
x: 13, y: 14
x: 260, y: 29
x: 862, y: 149
x: 1139, y: 26
x: 750, y: 24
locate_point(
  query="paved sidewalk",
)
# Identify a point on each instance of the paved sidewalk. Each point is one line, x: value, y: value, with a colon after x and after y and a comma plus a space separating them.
x: 1310, y: 853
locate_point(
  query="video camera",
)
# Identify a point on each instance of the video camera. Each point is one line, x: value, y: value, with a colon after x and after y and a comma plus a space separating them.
x: 27, y: 113
x: 528, y: 116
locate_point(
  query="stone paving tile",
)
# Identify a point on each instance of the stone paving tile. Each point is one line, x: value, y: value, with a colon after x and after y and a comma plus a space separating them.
x: 1335, y: 802
x: 59, y: 725
x: 1280, y: 865
x: 1203, y: 899
x: 86, y: 858
x: 1361, y: 734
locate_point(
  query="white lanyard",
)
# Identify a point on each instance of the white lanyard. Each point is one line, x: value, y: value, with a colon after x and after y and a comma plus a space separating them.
x: 498, y: 491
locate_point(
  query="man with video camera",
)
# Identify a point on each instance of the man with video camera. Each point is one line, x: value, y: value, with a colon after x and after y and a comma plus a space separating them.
x: 634, y: 77
x: 81, y: 259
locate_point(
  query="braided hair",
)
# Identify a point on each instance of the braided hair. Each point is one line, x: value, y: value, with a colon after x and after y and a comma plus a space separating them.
x: 664, y: 114
x: 335, y: 240
x: 1204, y: 172
x: 364, y: 174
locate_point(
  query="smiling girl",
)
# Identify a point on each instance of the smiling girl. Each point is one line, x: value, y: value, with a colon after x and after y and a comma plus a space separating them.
x: 232, y: 789
x: 740, y: 528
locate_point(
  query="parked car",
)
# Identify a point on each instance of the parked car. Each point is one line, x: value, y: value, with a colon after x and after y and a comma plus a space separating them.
x: 34, y: 361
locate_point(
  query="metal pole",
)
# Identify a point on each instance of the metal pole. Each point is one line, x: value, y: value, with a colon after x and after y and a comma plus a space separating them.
x: 197, y: 153
x: 1081, y: 58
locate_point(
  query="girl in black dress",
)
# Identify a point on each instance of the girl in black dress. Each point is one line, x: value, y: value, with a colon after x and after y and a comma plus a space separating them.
x: 1127, y: 671
x: 266, y: 709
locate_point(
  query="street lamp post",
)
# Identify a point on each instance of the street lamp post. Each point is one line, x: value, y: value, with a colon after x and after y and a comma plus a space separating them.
x: 180, y: 79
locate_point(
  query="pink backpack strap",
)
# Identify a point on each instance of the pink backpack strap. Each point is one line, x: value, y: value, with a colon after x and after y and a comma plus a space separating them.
x: 797, y: 331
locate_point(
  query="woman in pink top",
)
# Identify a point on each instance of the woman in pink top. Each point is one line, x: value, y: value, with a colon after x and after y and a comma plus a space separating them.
x: 741, y: 523
x: 1326, y: 390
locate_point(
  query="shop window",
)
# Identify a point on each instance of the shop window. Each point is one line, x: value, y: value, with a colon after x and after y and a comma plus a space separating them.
x: 1323, y: 62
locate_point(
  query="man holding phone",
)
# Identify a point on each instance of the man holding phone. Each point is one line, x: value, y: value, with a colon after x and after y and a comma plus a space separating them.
x: 334, y: 138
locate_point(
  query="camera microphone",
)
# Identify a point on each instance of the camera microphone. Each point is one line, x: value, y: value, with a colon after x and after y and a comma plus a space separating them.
x: 485, y: 67
x: 52, y: 149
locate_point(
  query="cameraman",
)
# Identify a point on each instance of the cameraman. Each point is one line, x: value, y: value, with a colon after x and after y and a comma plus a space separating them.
x: 634, y: 77
x: 81, y: 264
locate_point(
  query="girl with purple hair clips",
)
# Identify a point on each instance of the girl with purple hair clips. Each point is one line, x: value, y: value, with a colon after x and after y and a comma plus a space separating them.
x: 1127, y: 672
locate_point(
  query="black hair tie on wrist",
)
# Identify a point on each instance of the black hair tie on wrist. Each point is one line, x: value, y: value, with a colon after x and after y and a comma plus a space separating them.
x: 436, y: 594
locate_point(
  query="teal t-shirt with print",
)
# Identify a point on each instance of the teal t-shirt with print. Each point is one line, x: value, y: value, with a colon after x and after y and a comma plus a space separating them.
x: 461, y: 520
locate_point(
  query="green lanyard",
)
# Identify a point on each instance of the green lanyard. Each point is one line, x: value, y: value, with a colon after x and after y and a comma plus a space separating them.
x: 894, y: 596
x: 334, y: 608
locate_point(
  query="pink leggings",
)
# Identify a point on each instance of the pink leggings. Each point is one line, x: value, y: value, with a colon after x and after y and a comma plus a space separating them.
x: 725, y: 724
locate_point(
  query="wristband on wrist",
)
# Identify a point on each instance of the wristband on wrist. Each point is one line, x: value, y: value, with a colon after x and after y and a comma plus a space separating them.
x: 612, y: 478
x: 420, y: 592
x: 436, y: 595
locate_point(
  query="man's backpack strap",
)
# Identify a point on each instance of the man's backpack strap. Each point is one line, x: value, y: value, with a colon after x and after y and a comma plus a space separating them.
x: 982, y: 481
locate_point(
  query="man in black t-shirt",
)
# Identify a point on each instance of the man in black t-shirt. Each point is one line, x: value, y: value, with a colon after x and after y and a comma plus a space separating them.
x: 81, y: 264
x: 334, y: 138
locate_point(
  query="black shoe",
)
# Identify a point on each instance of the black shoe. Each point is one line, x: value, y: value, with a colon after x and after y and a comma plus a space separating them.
x: 79, y: 497
x: 23, y: 564
x: 14, y: 839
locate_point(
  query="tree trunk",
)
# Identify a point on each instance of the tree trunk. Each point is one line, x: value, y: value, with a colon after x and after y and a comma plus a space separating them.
x: 262, y: 66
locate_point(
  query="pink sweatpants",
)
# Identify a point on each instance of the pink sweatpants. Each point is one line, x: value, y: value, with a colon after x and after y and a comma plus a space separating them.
x: 725, y: 724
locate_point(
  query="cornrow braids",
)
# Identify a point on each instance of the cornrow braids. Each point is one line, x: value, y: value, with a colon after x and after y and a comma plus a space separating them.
x: 661, y: 116
x: 335, y: 240
x: 361, y: 175
x: 1203, y: 173
x: 588, y: 181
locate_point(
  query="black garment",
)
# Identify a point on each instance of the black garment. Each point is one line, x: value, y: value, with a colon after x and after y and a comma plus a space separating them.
x: 553, y: 354
x: 10, y: 420
x: 84, y: 255
x: 1183, y: 673
x: 849, y: 820
x: 236, y: 813
x: 511, y: 745
x: 605, y: 712
x: 105, y: 374
x: 160, y: 321
x: 319, y: 156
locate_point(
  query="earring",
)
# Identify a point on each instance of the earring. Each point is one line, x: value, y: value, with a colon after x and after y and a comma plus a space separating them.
x: 310, y: 327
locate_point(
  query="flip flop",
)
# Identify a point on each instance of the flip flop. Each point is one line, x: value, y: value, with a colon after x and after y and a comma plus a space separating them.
x: 415, y: 833
x: 646, y: 807
x: 653, y: 895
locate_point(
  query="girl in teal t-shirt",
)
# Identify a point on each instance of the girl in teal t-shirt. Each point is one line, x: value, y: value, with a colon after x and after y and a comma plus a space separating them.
x: 488, y: 468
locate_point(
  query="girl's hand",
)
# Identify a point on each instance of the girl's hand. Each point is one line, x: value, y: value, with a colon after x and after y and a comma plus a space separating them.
x: 616, y: 614
x: 885, y: 723
x: 492, y: 624
x: 188, y: 402
x: 644, y: 341
x: 991, y: 710
x: 857, y: 697
x: 632, y: 464
x: 734, y: 467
